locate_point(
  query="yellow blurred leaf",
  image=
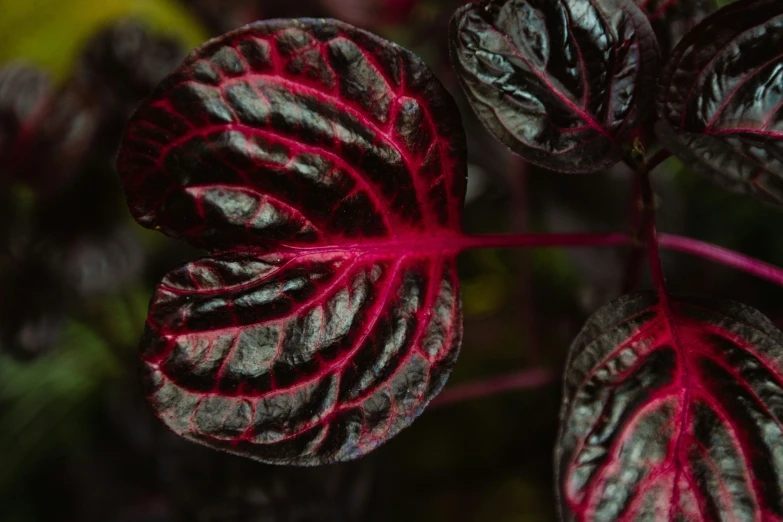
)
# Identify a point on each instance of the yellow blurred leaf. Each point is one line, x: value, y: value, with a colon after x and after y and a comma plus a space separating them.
x: 50, y: 33
x: 484, y: 294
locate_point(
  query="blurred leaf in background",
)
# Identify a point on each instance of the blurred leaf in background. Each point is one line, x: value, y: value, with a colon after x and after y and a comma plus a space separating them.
x: 51, y: 34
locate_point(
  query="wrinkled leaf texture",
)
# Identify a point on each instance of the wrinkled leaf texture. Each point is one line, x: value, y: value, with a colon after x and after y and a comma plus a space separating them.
x: 721, y: 99
x: 560, y: 82
x: 673, y: 411
x: 672, y: 19
x: 320, y: 165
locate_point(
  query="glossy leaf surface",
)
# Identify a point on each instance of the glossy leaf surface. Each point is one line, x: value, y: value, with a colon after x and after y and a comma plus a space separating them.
x: 671, y: 20
x: 673, y: 412
x: 321, y: 166
x: 560, y: 82
x: 721, y: 100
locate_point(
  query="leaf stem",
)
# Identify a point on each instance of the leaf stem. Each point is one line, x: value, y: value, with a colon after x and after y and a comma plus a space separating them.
x: 459, y: 243
x: 674, y: 242
x: 651, y: 233
x: 723, y: 256
x: 658, y: 158
x: 526, y: 379
x: 519, y: 184
x: 633, y: 267
x: 468, y: 241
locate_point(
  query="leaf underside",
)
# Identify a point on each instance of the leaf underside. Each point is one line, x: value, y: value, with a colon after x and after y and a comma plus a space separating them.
x: 673, y: 412
x: 320, y: 165
x: 560, y: 82
x: 721, y: 99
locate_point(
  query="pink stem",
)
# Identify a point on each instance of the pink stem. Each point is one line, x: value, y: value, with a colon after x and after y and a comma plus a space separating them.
x: 651, y: 235
x: 525, y: 379
x: 543, y: 240
x: 466, y: 242
x: 536, y: 377
x: 633, y: 268
x: 657, y: 159
x: 688, y: 245
x: 723, y: 256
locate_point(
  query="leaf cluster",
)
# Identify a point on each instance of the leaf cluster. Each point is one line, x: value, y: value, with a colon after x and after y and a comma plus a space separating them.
x: 324, y: 171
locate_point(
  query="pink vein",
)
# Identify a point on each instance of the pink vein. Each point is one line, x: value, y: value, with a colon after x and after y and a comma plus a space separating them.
x: 728, y: 98
x: 342, y: 106
x: 582, y: 113
x: 375, y: 314
x: 701, y: 71
x: 255, y: 131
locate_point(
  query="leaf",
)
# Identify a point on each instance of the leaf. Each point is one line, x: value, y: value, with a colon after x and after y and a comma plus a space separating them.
x: 321, y: 166
x: 33, y: 320
x: 721, y: 99
x: 672, y: 20
x: 44, y: 132
x: 121, y: 64
x: 560, y: 82
x: 673, y: 411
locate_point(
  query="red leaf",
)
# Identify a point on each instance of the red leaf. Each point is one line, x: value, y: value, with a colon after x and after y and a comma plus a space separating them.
x: 320, y: 165
x: 561, y: 82
x: 673, y: 412
x: 721, y: 99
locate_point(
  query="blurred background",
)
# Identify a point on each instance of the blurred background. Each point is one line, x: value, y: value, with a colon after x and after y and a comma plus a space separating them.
x: 78, y: 441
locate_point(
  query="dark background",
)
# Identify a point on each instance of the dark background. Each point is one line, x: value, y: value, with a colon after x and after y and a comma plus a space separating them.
x: 77, y: 440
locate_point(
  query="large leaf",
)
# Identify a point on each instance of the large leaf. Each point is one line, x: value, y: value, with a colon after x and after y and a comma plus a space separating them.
x: 673, y: 411
x: 321, y: 166
x: 561, y: 82
x: 721, y: 100
x: 672, y: 19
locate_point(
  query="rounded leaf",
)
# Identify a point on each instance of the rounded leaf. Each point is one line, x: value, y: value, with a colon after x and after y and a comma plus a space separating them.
x: 321, y: 166
x: 560, y: 82
x: 721, y: 99
x: 673, y: 411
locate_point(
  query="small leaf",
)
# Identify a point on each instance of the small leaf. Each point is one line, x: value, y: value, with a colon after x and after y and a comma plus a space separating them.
x: 721, y: 99
x: 320, y: 165
x: 673, y: 411
x: 672, y: 19
x: 560, y: 82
